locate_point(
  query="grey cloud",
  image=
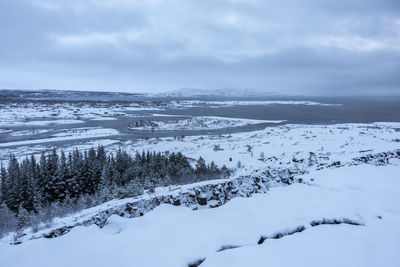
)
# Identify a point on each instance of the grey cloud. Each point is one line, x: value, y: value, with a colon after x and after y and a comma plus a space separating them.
x: 313, y: 47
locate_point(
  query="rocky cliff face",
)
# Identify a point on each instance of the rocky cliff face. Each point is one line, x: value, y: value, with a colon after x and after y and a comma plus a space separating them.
x: 215, y: 193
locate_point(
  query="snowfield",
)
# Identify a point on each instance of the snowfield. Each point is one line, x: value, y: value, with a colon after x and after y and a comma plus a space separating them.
x: 15, y: 114
x: 282, y: 147
x: 265, y: 103
x: 29, y: 132
x: 71, y: 134
x: 346, y: 216
x: 183, y: 104
x: 13, y: 123
x: 40, y: 114
x: 340, y: 207
x: 196, y: 123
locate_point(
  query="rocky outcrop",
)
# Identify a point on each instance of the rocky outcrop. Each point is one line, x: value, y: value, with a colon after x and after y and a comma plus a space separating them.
x: 202, y: 196
x: 217, y: 193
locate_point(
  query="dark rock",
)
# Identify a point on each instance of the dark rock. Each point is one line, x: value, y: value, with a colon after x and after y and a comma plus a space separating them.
x: 177, y: 202
x: 202, y: 201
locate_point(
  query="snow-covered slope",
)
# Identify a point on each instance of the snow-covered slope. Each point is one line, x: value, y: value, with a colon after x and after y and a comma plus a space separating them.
x: 208, y: 194
x: 196, y: 123
x: 338, y: 217
x: 276, y: 155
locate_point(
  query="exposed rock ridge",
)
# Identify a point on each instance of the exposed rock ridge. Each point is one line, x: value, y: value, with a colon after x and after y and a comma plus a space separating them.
x: 217, y: 193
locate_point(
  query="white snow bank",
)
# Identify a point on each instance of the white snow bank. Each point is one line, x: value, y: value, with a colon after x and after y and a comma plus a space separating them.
x: 29, y: 132
x: 268, y: 102
x: 182, y: 104
x: 177, y: 236
x: 72, y: 134
x: 5, y: 131
x: 197, y: 123
x: 6, y: 123
x: 278, y: 146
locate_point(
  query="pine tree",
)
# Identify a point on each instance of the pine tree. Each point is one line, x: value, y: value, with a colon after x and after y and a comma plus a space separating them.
x: 42, y: 175
x: 74, y: 184
x: 56, y: 185
x: 34, y: 172
x: 27, y: 186
x: 213, y: 168
x: 201, y: 165
x: 55, y: 188
x: 7, y: 220
x: 23, y: 219
x: 3, y: 177
x: 12, y: 197
x: 225, y: 171
x: 94, y: 172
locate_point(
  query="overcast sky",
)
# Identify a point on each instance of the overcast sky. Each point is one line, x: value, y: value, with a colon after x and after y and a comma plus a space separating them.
x: 284, y: 46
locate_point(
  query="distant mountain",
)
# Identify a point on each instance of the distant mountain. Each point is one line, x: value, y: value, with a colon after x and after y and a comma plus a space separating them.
x: 51, y: 94
x: 228, y: 92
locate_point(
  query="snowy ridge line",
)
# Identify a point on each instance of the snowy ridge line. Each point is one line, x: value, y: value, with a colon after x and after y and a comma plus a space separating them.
x: 314, y: 223
x: 287, y: 175
x: 196, y: 123
x: 279, y: 235
x: 207, y: 194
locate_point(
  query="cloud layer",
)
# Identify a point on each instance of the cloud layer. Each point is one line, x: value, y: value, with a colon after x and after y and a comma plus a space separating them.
x: 296, y: 47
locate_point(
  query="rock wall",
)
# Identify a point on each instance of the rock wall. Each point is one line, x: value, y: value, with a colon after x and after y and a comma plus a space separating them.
x: 218, y: 193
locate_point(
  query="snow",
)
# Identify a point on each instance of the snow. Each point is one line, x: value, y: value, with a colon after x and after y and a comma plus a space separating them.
x: 168, y: 115
x: 29, y: 132
x: 267, y: 103
x: 42, y: 114
x: 71, y: 134
x: 5, y: 131
x: 273, y: 147
x: 183, y: 104
x: 15, y: 114
x: 35, y: 113
x: 373, y: 195
x: 276, y: 147
x: 104, y: 119
x: 198, y: 123
x: 176, y: 236
x: 37, y: 123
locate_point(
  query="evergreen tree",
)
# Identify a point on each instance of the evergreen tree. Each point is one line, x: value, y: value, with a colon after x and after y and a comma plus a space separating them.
x: 12, y: 184
x: 34, y: 172
x: 23, y: 219
x: 42, y: 176
x: 7, y: 220
x: 213, y: 168
x: 3, y: 177
x: 201, y: 165
x: 57, y: 185
x: 225, y: 171
x: 27, y: 186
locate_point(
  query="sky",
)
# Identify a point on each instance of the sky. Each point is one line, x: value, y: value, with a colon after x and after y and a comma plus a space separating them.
x: 317, y: 47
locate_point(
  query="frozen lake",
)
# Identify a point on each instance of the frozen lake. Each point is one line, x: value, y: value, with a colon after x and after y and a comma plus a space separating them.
x: 48, y: 120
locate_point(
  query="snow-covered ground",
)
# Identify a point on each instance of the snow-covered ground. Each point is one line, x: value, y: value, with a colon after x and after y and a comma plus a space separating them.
x: 351, y: 210
x: 29, y: 132
x: 5, y: 131
x: 35, y: 113
x: 71, y: 134
x: 268, y: 102
x: 345, y: 216
x: 196, y: 103
x: 196, y: 123
x: 282, y: 146
x: 295, y: 146
x: 38, y: 113
x: 12, y: 123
